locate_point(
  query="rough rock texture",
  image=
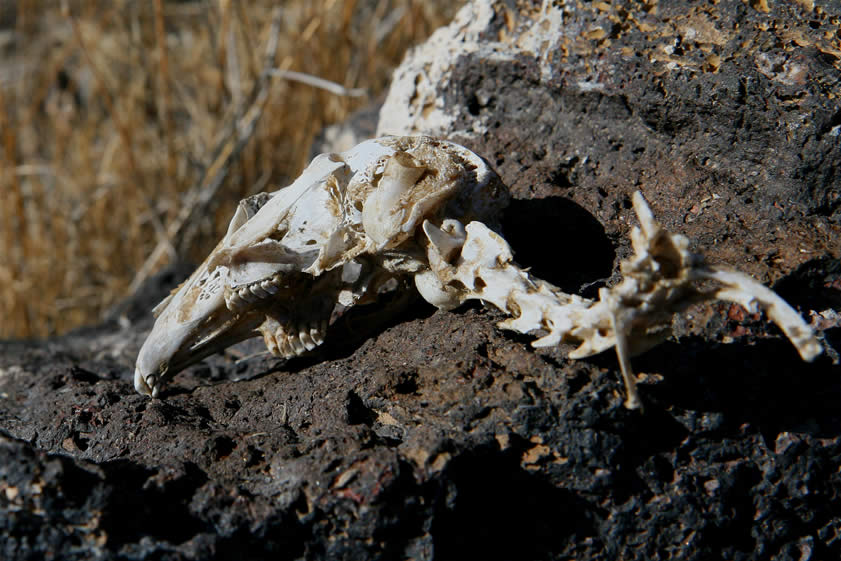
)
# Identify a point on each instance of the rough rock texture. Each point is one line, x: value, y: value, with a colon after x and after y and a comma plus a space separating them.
x: 437, y: 436
x: 727, y: 117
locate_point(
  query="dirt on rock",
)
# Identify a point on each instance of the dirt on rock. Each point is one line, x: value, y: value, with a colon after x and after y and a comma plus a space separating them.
x: 435, y: 435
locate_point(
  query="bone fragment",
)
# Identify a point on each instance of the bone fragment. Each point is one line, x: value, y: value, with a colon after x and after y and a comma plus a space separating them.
x: 383, y: 215
x: 633, y: 316
x: 754, y: 296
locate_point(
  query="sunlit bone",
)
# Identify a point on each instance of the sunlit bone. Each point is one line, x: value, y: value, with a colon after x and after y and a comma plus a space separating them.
x: 292, y: 260
x: 401, y: 207
x: 633, y: 316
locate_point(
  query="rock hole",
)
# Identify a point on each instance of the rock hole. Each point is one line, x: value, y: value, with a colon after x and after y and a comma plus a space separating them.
x: 81, y: 442
x: 84, y: 416
x: 473, y: 106
x: 82, y: 375
x: 389, y: 441
x: 577, y: 381
x: 254, y: 456
x: 357, y: 413
x: 407, y: 383
x: 561, y: 177
x: 233, y: 404
x: 220, y: 447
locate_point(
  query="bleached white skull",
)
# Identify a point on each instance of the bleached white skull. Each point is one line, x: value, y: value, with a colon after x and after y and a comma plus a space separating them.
x: 396, y: 208
x: 293, y: 259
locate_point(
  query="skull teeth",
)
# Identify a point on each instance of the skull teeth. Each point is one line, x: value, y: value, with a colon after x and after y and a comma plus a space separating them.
x: 240, y: 298
x: 317, y: 335
x: 270, y: 286
x: 297, y: 344
x: 306, y: 340
x: 271, y: 345
x: 246, y: 295
x: 259, y: 291
x: 292, y: 341
x: 152, y: 383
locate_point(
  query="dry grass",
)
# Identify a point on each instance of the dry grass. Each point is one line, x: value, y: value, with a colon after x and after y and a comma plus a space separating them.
x: 110, y: 112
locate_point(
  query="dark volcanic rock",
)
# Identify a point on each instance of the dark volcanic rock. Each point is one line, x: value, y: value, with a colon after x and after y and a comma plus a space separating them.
x: 437, y: 436
x: 726, y: 117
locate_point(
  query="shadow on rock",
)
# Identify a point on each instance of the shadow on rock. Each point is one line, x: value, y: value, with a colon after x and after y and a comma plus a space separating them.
x: 765, y: 384
x: 496, y: 510
x: 580, y: 255
x: 151, y: 505
x: 814, y: 285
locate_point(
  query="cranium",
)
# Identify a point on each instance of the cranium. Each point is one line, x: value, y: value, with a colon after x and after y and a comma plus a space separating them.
x: 294, y: 259
x: 400, y: 208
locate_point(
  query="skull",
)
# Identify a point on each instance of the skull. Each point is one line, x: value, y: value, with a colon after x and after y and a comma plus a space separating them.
x: 293, y: 260
x: 396, y: 208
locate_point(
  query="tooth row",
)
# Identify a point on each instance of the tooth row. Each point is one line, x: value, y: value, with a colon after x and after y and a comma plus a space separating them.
x: 296, y: 340
x: 240, y: 298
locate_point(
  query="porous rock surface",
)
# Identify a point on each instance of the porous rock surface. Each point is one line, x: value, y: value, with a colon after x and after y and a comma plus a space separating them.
x: 437, y: 436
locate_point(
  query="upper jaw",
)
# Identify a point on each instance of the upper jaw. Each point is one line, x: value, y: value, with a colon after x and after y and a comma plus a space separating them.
x: 162, y: 355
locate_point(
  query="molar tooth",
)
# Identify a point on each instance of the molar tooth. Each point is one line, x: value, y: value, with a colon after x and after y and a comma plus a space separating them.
x: 246, y: 295
x: 271, y: 343
x: 316, y: 335
x: 286, y: 350
x: 269, y: 286
x: 307, y: 341
x: 297, y: 345
x: 233, y: 302
x: 258, y: 291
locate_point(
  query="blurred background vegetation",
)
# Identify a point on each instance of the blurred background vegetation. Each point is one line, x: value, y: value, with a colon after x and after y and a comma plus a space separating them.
x: 117, y: 115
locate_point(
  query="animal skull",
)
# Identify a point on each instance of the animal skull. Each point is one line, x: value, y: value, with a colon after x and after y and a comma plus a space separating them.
x: 396, y: 208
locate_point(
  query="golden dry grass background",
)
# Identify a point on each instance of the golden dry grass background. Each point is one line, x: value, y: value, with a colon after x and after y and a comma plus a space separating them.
x: 110, y: 111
